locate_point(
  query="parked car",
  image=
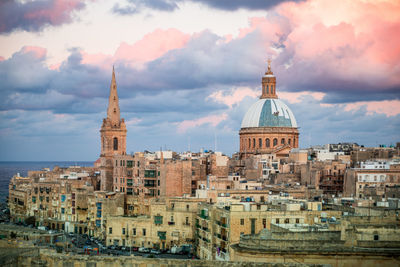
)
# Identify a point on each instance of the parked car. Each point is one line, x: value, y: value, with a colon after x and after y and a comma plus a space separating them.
x: 155, y: 251
x: 144, y: 250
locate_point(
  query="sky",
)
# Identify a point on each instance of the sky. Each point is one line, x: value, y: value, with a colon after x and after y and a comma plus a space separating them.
x: 188, y: 70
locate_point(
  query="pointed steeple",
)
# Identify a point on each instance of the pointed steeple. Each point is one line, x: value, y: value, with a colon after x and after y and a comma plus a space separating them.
x: 113, y: 112
x: 268, y: 83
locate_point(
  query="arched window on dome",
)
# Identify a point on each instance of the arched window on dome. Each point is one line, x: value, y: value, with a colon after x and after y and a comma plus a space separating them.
x: 115, y: 143
x: 294, y: 142
x: 259, y: 142
x: 249, y: 143
x: 283, y: 141
x: 267, y: 89
x: 254, y: 143
x: 272, y: 89
x: 267, y: 143
x: 275, y: 142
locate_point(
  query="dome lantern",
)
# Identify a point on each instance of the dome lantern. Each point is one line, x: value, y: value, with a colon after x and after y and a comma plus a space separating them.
x: 268, y: 83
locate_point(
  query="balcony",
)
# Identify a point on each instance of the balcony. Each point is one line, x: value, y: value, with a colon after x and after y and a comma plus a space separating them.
x: 203, y: 216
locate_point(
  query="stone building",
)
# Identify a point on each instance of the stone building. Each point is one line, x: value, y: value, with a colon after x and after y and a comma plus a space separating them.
x: 345, y: 243
x: 168, y: 223
x: 218, y: 227
x: 365, y: 182
x: 269, y: 125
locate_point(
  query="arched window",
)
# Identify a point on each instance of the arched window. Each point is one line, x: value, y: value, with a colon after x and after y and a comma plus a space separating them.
x: 259, y: 142
x: 294, y: 142
x: 249, y: 143
x: 283, y: 141
x: 289, y: 141
x: 267, y: 144
x: 275, y: 141
x: 272, y: 89
x: 115, y: 143
x: 254, y: 142
x: 267, y: 89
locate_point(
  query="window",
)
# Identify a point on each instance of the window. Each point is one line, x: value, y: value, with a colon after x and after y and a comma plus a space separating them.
x: 267, y: 143
x: 376, y: 237
x: 144, y: 231
x: 289, y: 141
x: 297, y: 220
x: 277, y: 220
x: 158, y: 219
x: 287, y: 220
x: 123, y: 231
x: 33, y: 199
x: 283, y: 141
x: 187, y: 221
x: 275, y: 141
x: 241, y: 221
x: 254, y: 142
x: 134, y: 231
x: 259, y: 142
x: 258, y: 207
x: 264, y: 221
x: 115, y: 143
x: 62, y: 210
x: 110, y: 230
x: 249, y: 142
x: 187, y: 207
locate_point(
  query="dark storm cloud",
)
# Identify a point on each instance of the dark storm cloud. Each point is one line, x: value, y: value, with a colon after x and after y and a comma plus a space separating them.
x: 204, y: 62
x: 232, y: 5
x: 137, y: 6
x: 34, y: 15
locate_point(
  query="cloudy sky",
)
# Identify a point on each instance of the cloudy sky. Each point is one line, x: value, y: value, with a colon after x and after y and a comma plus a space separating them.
x: 187, y: 71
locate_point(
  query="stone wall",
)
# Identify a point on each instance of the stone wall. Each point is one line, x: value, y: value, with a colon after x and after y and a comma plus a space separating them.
x: 51, y: 259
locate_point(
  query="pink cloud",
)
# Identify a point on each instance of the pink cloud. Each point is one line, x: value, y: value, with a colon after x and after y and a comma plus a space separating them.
x: 55, y: 66
x: 56, y: 13
x: 150, y: 47
x: 351, y: 40
x: 387, y: 107
x: 37, y: 52
x: 213, y: 120
x: 234, y: 96
x: 2, y: 58
x: 99, y: 59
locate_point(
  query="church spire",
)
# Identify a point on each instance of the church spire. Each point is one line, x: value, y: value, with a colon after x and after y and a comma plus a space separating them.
x: 268, y: 83
x: 113, y: 112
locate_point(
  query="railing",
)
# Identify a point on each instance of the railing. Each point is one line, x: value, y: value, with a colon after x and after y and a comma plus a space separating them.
x: 203, y: 216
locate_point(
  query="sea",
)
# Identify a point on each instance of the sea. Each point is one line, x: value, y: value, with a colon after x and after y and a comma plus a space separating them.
x: 10, y: 168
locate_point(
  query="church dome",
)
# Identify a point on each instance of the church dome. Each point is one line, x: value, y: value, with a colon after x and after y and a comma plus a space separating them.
x: 269, y: 112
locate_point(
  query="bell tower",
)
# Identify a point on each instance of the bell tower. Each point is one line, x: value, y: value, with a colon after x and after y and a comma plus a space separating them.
x: 113, y: 137
x: 268, y: 83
